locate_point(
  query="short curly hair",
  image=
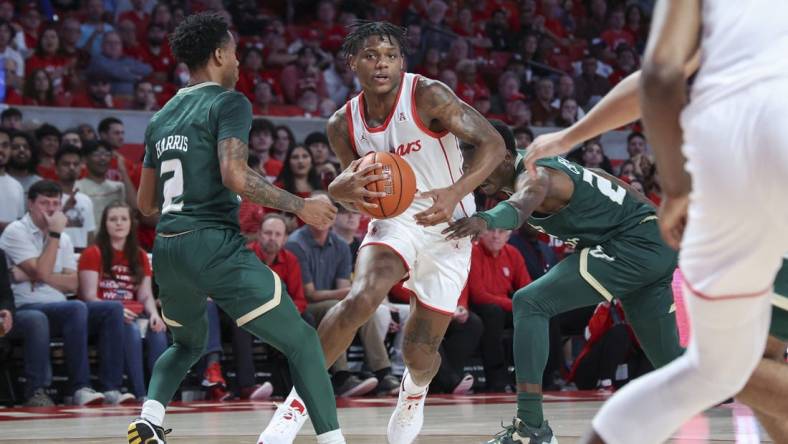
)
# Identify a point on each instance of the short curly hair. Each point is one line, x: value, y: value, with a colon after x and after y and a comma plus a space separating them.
x: 197, y: 37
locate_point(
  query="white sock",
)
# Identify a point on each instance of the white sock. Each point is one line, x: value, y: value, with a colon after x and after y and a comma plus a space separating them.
x: 411, y: 387
x: 332, y: 437
x: 153, y: 411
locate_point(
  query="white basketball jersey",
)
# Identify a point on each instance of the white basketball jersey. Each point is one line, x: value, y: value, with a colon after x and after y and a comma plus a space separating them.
x: 436, y: 158
x: 743, y: 43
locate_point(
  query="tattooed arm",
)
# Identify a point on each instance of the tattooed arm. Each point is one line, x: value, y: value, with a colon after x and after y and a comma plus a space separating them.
x: 238, y: 177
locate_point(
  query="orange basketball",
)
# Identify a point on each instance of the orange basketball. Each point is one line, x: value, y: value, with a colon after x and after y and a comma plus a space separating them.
x: 400, y: 188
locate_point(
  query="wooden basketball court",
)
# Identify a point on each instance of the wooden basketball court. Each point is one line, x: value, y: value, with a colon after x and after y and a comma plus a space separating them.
x: 449, y: 419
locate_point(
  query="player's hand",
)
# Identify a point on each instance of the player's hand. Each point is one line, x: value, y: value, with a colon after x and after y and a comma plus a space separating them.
x: 317, y: 212
x: 56, y: 222
x: 460, y: 314
x: 350, y: 186
x: 444, y: 201
x: 467, y: 226
x: 673, y: 219
x: 157, y: 324
x: 546, y: 145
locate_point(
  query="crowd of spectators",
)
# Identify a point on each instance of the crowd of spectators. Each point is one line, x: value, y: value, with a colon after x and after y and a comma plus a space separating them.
x: 68, y: 193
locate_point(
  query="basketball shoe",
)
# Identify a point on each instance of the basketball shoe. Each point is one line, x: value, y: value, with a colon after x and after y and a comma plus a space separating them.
x: 288, y: 419
x: 408, y: 417
x: 520, y: 433
x: 142, y: 431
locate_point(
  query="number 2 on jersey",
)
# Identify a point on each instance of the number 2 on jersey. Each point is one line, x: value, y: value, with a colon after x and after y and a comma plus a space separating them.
x: 605, y: 187
x: 172, y: 188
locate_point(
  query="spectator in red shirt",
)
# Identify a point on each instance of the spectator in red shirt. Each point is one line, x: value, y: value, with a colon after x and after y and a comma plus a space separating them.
x: 497, y: 271
x: 469, y: 84
x: 264, y: 102
x: 301, y: 76
x: 430, y: 66
x: 299, y: 175
x: 137, y: 16
x: 70, y: 34
x: 261, y: 140
x: 159, y: 55
x: 47, y: 56
x: 332, y: 33
x: 48, y: 143
x: 616, y: 34
x: 626, y: 64
x: 269, y: 248
x: 518, y: 113
x: 542, y: 107
x: 115, y: 268
x: 317, y: 144
x: 497, y: 30
x: 97, y: 95
x: 31, y: 25
x: 144, y: 98
x: 251, y: 73
x: 129, y: 36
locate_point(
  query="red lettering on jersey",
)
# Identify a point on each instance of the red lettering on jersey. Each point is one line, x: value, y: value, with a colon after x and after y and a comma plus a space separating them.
x: 405, y: 149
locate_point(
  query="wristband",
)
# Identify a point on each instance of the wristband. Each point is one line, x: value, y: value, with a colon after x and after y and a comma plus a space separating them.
x: 502, y: 216
x: 54, y: 234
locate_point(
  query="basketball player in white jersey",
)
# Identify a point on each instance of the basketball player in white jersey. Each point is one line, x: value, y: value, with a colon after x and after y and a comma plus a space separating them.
x: 421, y: 120
x: 733, y: 228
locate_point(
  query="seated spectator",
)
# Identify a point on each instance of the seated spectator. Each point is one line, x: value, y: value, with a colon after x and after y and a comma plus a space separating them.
x: 251, y: 73
x: 430, y: 66
x: 30, y: 21
x: 86, y: 132
x: 11, y: 119
x: 299, y: 175
x: 497, y: 29
x: 636, y: 144
x: 93, y: 27
x: 121, y: 71
x: 144, y: 98
x: 12, y: 196
x: 636, y: 25
x: 325, y: 269
x: 129, y: 37
x: 449, y: 77
x: 39, y: 91
x: 112, y: 131
x: 137, y: 15
x: 76, y: 57
x: 269, y: 247
x: 616, y: 34
x: 263, y: 103
x: 7, y: 50
x: 283, y: 141
x: 11, y: 93
x: 97, y: 95
x: 158, y: 53
x: 101, y: 190
x: 346, y: 226
x: 523, y: 137
x: 508, y: 89
x: 341, y: 82
x: 261, y: 141
x: 543, y: 113
x: 48, y: 138
x: 47, y: 57
x: 626, y: 64
x: 301, y: 76
x: 568, y: 113
x: 589, y: 85
x: 71, y: 137
x: 43, y: 267
x: 22, y: 164
x: 77, y: 206
x: 317, y: 144
x: 497, y: 271
x: 469, y: 85
x: 115, y: 268
x: 626, y: 171
x: 593, y: 156
x: 518, y: 113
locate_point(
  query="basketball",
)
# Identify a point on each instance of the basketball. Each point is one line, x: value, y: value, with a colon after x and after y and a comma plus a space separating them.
x: 400, y: 188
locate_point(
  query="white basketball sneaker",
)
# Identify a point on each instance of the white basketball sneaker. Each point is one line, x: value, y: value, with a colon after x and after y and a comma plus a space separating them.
x: 408, y: 417
x: 288, y: 419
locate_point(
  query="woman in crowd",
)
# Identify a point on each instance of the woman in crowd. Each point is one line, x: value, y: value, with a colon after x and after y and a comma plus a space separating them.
x: 284, y: 140
x: 299, y: 175
x: 116, y: 268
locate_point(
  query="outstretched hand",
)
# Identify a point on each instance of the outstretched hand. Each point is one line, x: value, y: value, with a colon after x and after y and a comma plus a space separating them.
x: 546, y: 145
x: 444, y: 201
x: 467, y: 226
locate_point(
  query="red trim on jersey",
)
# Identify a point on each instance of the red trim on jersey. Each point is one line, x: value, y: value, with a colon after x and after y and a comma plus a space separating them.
x: 726, y: 297
x: 430, y: 307
x: 351, y: 132
x: 402, y: 258
x: 385, y: 124
x: 448, y: 167
x: 415, y: 113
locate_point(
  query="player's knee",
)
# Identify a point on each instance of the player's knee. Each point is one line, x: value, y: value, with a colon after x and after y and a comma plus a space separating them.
x: 524, y: 303
x: 359, y: 307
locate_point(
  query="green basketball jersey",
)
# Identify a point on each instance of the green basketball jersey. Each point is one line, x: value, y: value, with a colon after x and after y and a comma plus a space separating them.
x: 598, y: 210
x: 181, y: 144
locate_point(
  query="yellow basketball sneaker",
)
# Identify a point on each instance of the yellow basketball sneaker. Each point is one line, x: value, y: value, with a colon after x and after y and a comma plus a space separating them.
x: 142, y: 431
x: 520, y: 433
